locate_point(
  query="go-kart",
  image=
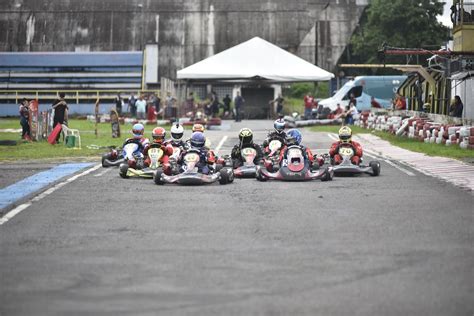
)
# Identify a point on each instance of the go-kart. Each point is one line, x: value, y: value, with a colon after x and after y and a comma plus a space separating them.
x: 295, y: 168
x: 155, y: 153
x: 346, y: 167
x: 116, y: 157
x: 174, y: 159
x: 249, y: 168
x: 191, y: 175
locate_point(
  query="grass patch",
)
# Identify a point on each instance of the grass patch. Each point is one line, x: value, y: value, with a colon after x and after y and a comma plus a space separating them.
x: 454, y: 151
x: 42, y: 149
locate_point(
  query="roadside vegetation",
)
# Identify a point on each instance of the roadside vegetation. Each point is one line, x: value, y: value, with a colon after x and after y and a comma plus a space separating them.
x: 92, y: 145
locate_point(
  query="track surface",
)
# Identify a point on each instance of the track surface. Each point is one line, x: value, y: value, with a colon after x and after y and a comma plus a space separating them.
x: 389, y: 245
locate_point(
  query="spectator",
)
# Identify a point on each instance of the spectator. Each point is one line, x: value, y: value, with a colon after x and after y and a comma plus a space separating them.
x: 60, y: 112
x: 352, y: 100
x: 419, y: 93
x: 279, y: 102
x: 338, y: 112
x: 308, y: 106
x: 350, y: 114
x: 456, y: 107
x: 238, y: 104
x: 226, y: 106
x: 141, y: 108
x: 400, y: 103
x: 375, y: 104
x: 24, y: 119
x: 118, y: 104
x: 189, y: 105
x: 214, y: 104
x: 132, y: 108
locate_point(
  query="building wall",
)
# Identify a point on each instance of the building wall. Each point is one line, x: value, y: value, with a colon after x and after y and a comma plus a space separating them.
x: 187, y: 30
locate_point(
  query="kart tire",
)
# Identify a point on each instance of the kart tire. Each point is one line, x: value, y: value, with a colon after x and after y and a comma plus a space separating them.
x: 259, y: 176
x: 123, y: 170
x: 225, y: 176
x: 375, y: 165
x: 105, y: 163
x: 157, y: 177
x: 327, y: 175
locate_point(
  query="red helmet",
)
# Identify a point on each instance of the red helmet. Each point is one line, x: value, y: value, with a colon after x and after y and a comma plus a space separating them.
x: 158, y: 134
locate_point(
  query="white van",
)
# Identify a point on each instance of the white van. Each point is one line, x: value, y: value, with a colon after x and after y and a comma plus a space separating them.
x: 383, y: 88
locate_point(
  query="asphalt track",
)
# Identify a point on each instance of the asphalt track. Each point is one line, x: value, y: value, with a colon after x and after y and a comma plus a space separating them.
x: 101, y: 245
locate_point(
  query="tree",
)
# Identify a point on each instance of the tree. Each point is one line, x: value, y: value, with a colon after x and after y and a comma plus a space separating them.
x: 399, y: 23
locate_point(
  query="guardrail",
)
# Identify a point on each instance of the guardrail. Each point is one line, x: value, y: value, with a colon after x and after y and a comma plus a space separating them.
x: 78, y: 95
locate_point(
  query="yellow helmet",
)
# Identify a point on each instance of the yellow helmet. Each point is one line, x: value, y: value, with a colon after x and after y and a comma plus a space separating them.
x: 345, y: 134
x: 198, y: 128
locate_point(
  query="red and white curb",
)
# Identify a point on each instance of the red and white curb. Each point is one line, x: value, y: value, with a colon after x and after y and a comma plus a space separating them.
x: 453, y: 171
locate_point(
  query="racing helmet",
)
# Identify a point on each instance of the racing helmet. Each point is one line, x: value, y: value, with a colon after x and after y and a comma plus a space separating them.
x: 345, y: 134
x: 279, y: 125
x: 245, y: 136
x: 177, y: 132
x: 198, y: 128
x: 138, y: 130
x: 198, y: 139
x: 158, y: 134
x: 294, y: 137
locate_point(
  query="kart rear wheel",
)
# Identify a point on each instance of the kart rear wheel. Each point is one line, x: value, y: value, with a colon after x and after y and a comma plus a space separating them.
x: 375, y: 165
x: 104, y: 160
x: 259, y: 176
x: 123, y: 169
x: 157, y: 177
x: 226, y: 176
x: 327, y: 175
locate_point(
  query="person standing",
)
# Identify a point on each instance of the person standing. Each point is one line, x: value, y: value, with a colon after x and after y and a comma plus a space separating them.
x: 24, y: 117
x: 60, y: 112
x: 141, y: 108
x: 118, y: 104
x: 131, y: 105
x: 238, y: 104
x: 279, y: 103
x: 226, y: 109
x: 308, y: 106
x: 456, y: 107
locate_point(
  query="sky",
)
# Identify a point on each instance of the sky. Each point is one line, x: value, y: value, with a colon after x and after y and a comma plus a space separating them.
x: 445, y: 19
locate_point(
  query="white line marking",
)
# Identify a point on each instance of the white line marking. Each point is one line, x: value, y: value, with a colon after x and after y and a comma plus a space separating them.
x: 17, y: 210
x: 330, y: 135
x: 100, y: 174
x: 411, y: 174
x: 220, y: 144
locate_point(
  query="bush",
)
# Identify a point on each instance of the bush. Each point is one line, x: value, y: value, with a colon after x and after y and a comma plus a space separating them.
x: 299, y: 90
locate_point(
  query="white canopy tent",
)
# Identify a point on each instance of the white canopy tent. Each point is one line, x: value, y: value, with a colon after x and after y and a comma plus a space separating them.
x: 254, y: 60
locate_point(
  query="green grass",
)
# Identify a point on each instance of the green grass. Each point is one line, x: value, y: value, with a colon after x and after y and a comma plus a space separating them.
x: 454, y: 152
x: 43, y: 150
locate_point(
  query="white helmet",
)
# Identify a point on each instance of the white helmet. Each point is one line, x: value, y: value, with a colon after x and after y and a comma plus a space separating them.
x: 177, y: 132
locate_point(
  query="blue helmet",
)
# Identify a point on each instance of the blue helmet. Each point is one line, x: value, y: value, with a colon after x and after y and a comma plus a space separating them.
x: 198, y: 139
x: 138, y: 130
x: 294, y: 136
x: 279, y: 125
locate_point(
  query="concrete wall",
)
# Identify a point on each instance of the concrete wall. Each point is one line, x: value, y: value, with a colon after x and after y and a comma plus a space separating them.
x: 187, y: 30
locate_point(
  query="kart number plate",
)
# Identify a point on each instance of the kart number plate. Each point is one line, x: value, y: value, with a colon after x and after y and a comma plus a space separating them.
x: 346, y: 151
x: 274, y: 145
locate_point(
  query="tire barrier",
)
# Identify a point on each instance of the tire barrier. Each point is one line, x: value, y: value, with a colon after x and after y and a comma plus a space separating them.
x: 419, y: 128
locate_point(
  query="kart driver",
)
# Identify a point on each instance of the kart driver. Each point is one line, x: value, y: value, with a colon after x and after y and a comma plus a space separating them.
x: 245, y: 141
x: 207, y: 157
x: 294, y: 137
x: 159, y: 134
x: 345, y: 137
x: 277, y: 133
x: 137, y: 137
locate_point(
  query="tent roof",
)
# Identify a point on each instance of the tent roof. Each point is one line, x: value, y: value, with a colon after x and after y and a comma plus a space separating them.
x: 255, y: 59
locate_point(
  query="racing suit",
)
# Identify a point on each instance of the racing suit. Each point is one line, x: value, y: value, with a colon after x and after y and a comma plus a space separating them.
x: 142, y: 142
x: 306, y: 152
x: 334, y: 152
x: 167, y: 152
x: 207, y: 159
x: 236, y: 156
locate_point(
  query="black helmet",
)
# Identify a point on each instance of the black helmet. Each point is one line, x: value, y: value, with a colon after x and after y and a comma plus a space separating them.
x: 245, y: 136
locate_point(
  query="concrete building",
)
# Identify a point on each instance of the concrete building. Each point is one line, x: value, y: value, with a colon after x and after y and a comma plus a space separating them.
x: 186, y: 31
